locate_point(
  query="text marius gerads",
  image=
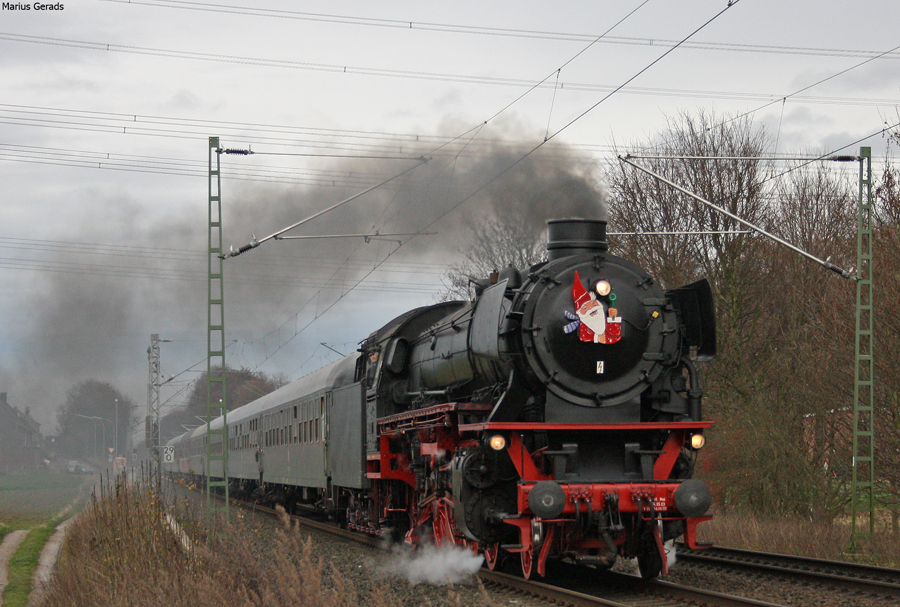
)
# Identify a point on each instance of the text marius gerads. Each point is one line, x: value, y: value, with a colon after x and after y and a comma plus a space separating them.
x: 33, y: 6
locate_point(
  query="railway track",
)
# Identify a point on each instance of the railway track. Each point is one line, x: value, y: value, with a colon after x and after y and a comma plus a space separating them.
x: 614, y: 590
x: 852, y: 577
x: 621, y: 591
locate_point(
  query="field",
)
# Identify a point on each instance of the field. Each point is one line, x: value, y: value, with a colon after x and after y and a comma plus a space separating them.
x: 29, y: 499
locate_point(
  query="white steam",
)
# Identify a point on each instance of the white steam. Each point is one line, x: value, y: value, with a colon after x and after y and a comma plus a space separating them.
x: 670, y: 552
x: 432, y: 565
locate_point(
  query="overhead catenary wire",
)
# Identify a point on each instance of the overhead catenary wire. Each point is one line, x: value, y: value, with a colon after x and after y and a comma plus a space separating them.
x: 367, y: 237
x: 317, y: 314
x: 769, y: 158
x: 275, y: 235
x: 882, y: 131
x: 293, y: 262
x: 395, y: 73
x: 796, y: 93
x: 682, y: 233
x: 826, y: 263
x: 320, y: 140
x: 412, y: 24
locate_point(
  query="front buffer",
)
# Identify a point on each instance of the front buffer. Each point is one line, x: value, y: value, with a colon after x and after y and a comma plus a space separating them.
x: 590, y: 520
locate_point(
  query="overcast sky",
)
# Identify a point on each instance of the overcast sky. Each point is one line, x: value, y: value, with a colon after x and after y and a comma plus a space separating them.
x: 106, y: 108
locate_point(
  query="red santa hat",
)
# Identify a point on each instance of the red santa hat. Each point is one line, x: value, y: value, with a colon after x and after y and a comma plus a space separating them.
x: 580, y: 295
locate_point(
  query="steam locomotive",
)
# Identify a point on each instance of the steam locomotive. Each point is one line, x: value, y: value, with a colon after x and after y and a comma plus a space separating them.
x: 558, y: 415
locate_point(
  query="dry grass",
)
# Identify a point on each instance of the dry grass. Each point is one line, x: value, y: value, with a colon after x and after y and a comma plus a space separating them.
x: 122, y: 552
x: 799, y: 537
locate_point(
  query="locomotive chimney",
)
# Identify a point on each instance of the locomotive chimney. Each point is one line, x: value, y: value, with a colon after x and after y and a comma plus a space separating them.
x: 575, y: 237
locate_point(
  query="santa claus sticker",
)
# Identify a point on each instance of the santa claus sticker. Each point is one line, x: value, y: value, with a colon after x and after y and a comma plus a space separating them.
x: 594, y: 324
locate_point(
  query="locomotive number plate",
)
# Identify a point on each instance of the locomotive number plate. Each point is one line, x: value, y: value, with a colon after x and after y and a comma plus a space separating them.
x: 599, y: 366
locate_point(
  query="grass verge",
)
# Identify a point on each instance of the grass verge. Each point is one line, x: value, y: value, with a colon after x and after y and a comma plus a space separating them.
x: 801, y: 537
x: 122, y: 551
x: 23, y: 565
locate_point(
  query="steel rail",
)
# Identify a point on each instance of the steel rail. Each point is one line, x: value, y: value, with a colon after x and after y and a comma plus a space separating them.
x: 881, y: 581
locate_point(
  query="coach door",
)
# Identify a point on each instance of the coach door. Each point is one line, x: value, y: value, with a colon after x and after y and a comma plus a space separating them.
x: 346, y: 457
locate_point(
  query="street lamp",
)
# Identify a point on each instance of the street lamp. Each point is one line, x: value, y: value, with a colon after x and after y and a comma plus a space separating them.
x: 117, y: 427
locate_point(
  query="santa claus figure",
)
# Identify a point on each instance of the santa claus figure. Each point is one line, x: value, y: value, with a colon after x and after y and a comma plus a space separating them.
x: 594, y: 324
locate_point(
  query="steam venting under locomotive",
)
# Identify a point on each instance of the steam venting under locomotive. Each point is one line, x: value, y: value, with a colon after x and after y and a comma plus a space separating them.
x: 557, y: 415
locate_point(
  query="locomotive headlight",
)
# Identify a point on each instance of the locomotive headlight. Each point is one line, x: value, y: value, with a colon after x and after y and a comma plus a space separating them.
x: 498, y: 442
x: 603, y: 288
x: 697, y: 441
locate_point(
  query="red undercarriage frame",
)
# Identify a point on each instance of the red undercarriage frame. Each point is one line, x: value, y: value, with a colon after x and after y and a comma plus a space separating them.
x: 442, y: 429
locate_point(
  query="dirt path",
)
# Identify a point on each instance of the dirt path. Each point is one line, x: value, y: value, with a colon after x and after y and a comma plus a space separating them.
x: 7, y: 550
x: 47, y: 563
x: 46, y: 566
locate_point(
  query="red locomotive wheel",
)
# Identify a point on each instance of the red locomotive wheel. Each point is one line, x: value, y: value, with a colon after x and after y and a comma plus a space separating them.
x: 443, y: 531
x: 491, y: 555
x: 527, y: 562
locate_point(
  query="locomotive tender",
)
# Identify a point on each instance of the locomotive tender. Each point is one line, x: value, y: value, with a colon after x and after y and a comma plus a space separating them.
x: 557, y: 415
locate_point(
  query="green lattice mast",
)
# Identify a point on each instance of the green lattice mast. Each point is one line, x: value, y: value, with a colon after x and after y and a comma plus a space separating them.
x: 863, y: 497
x: 216, y: 439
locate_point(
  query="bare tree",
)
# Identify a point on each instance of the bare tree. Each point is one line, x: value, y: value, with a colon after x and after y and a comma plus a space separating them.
x: 886, y: 248
x: 495, y: 244
x: 241, y: 387
x: 784, y: 324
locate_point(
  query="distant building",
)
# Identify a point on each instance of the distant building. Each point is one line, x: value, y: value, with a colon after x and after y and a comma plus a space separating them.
x: 21, y: 443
